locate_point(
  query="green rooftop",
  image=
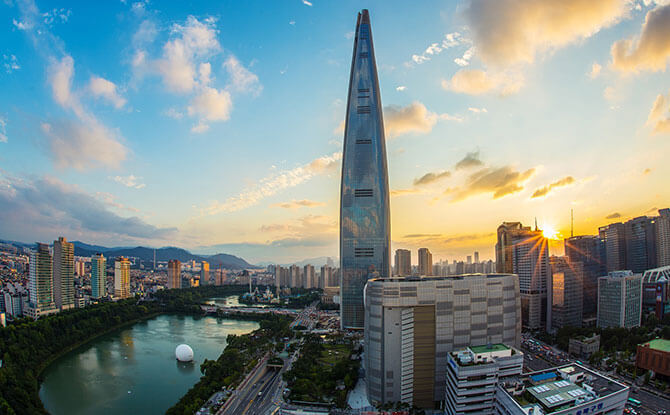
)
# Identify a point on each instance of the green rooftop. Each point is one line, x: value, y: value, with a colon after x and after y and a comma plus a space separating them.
x: 660, y: 344
x: 498, y: 347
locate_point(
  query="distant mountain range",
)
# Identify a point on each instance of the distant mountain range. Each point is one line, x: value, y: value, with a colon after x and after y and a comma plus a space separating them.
x: 147, y: 254
x: 316, y: 262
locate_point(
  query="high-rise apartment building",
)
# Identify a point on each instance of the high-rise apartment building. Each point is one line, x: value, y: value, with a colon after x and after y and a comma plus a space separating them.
x: 365, y: 240
x: 476, y: 257
x: 425, y: 262
x: 640, y: 234
x: 309, y: 276
x: 403, y: 262
x: 80, y: 268
x: 121, y: 278
x: 473, y: 374
x: 174, y: 274
x: 98, y: 276
x: 614, y: 237
x: 204, y: 273
x: 327, y: 276
x: 589, y: 250
x: 663, y: 237
x: 411, y: 324
x: 620, y: 299
x: 63, y: 274
x: 41, y: 281
x: 525, y: 252
x: 566, y: 293
x: 295, y: 276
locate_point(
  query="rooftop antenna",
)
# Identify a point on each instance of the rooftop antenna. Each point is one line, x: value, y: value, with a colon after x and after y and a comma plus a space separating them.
x: 572, y: 223
x: 536, y: 223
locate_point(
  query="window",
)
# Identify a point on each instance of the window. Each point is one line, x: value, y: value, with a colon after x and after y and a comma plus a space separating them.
x: 363, y: 90
x: 364, y: 252
x: 363, y: 109
x: 363, y: 141
x: 363, y: 193
x: 363, y: 55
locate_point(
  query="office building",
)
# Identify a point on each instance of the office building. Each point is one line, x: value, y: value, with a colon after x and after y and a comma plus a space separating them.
x: 640, y: 234
x: 174, y: 274
x: 121, y: 278
x: 204, y: 273
x: 309, y: 276
x: 590, y: 252
x: 98, y: 276
x: 620, y: 299
x: 365, y: 226
x: 663, y: 237
x: 583, y: 347
x: 566, y: 293
x: 412, y: 323
x: 525, y: 252
x: 403, y: 262
x: 614, y: 238
x: 476, y: 257
x: 473, y: 375
x: 566, y: 390
x: 63, y: 274
x: 655, y: 288
x: 425, y: 262
x: 41, y: 282
x: 655, y: 356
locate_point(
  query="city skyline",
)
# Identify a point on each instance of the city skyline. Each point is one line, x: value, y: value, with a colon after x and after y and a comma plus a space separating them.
x: 475, y: 129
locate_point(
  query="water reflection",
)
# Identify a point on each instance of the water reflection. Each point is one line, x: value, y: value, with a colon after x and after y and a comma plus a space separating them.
x: 185, y: 367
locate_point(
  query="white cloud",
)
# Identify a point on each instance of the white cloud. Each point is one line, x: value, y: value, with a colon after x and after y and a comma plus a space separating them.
x: 651, y: 51
x: 10, y: 63
x: 22, y: 25
x: 56, y: 15
x: 129, y: 181
x: 659, y: 116
x: 200, y: 128
x: 465, y: 59
x: 210, y: 105
x: 101, y: 87
x: 610, y: 94
x: 595, y: 70
x: 450, y: 40
x: 3, y: 130
x: 413, y: 118
x: 275, y: 183
x: 401, y: 88
x: 174, y: 113
x: 307, y: 3
x: 241, y: 79
x: 477, y: 82
x: 477, y: 110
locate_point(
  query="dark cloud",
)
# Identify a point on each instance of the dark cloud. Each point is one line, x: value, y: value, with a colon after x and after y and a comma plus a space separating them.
x: 468, y: 237
x: 431, y: 178
x: 499, y: 181
x: 470, y: 160
x: 45, y: 208
x: 544, y: 190
x: 614, y: 215
x: 422, y: 235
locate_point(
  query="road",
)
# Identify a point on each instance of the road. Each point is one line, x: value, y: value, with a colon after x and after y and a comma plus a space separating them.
x: 241, y: 396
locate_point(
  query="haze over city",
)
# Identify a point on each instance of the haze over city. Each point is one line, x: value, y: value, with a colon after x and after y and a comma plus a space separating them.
x: 218, y: 128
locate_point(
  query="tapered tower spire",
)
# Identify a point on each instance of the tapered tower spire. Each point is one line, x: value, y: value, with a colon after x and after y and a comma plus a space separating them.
x: 364, y: 199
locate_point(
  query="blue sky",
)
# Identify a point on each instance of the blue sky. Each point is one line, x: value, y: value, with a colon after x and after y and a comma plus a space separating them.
x: 216, y: 126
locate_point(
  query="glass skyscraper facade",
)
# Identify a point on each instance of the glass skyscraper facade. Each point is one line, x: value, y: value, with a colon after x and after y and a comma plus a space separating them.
x: 364, y: 210
x: 98, y: 276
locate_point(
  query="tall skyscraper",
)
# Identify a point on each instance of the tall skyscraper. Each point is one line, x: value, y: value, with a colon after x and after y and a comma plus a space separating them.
x: 589, y: 250
x: 663, y: 237
x: 174, y: 274
x: 308, y: 276
x: 412, y: 323
x: 98, y: 276
x: 365, y: 225
x: 295, y: 276
x: 640, y: 244
x: 63, y: 274
x: 403, y: 262
x: 327, y: 276
x: 425, y: 262
x: 620, y: 299
x: 614, y: 238
x: 122, y: 278
x: 41, y: 280
x: 476, y: 257
x: 566, y: 293
x: 525, y: 252
x: 204, y: 273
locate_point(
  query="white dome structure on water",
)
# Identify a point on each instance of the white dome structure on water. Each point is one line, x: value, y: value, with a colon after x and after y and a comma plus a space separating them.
x: 184, y: 353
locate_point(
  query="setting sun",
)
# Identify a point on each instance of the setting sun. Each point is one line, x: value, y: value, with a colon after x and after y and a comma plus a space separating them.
x: 549, y: 232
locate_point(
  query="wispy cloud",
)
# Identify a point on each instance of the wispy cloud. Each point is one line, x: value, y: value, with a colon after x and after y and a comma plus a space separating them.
x: 544, y: 190
x: 595, y: 70
x: 3, y: 130
x: 450, y: 40
x: 478, y: 82
x: 497, y: 181
x: 101, y: 87
x: 10, y: 63
x: 241, y: 79
x: 307, y: 3
x: 297, y: 204
x: 275, y: 183
x: 659, y: 116
x: 469, y: 161
x: 129, y: 181
x: 413, y: 118
x: 615, y: 215
x: 431, y: 177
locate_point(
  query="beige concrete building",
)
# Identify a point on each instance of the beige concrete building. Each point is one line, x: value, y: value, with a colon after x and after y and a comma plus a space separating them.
x: 122, y: 278
x: 411, y: 324
x: 63, y: 274
x: 403, y: 262
x: 174, y: 274
x: 425, y: 262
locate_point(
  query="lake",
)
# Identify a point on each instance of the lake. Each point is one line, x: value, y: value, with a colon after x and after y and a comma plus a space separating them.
x: 134, y: 370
